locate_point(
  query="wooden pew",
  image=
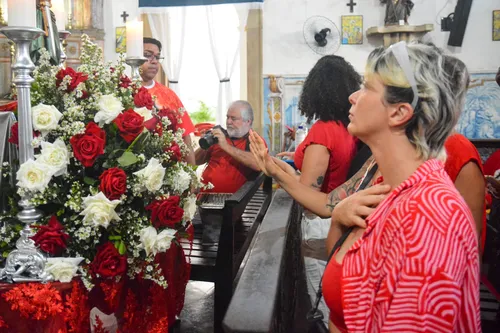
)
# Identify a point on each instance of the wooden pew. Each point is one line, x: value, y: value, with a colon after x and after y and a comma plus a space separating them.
x: 271, y: 293
x: 220, y: 261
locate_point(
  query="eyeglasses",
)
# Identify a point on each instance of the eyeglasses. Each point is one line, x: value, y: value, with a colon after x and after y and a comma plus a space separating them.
x: 152, y: 57
x: 401, y: 54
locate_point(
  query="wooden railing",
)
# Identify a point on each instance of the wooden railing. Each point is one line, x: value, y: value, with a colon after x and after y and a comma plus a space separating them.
x: 271, y: 292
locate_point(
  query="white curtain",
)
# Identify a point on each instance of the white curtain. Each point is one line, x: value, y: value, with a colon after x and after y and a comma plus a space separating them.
x: 168, y: 25
x: 226, y: 25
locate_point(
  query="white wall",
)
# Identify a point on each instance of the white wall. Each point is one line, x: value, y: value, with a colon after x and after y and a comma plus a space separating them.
x: 112, y: 19
x: 286, y: 53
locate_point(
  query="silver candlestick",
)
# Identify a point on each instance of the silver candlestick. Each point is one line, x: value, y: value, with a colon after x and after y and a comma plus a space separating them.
x: 63, y: 35
x: 135, y: 63
x: 25, y: 263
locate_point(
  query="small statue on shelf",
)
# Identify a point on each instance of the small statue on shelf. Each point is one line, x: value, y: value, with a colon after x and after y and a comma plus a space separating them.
x: 396, y: 11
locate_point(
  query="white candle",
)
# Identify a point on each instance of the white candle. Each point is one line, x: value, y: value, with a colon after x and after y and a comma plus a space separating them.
x: 134, y: 38
x: 60, y: 14
x: 21, y: 13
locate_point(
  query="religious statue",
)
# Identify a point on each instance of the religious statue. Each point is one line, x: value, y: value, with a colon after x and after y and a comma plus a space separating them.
x: 397, y: 10
x: 46, y: 20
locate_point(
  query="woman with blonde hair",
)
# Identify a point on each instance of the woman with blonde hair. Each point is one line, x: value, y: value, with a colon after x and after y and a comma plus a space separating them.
x: 415, y: 267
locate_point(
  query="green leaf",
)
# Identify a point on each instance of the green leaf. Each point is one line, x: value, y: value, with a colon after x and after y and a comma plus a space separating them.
x: 114, y: 238
x: 89, y: 181
x: 113, y: 129
x: 121, y: 248
x: 128, y: 158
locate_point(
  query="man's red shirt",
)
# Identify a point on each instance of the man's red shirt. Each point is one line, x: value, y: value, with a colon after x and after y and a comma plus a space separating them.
x: 224, y: 172
x: 166, y: 98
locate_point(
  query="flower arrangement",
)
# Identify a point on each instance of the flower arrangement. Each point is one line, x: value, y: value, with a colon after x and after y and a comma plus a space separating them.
x: 108, y: 173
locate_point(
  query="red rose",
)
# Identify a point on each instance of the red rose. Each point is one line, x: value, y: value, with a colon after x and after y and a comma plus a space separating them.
x: 130, y: 124
x: 154, y: 125
x: 108, y: 262
x: 14, y: 134
x: 113, y: 183
x: 89, y: 146
x: 76, y: 78
x: 51, y: 238
x: 125, y: 82
x: 172, y: 115
x: 166, y: 212
x: 94, y: 129
x: 175, y: 151
x: 142, y: 98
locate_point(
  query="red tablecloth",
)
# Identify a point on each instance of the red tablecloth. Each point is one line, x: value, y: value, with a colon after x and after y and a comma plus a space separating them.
x: 139, y: 305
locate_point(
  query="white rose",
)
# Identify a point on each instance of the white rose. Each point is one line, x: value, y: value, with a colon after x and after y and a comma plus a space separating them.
x: 34, y: 176
x: 164, y: 239
x: 151, y: 177
x: 99, y: 210
x: 109, y: 108
x: 148, y: 240
x: 62, y: 269
x: 144, y: 112
x: 189, y: 207
x: 152, y: 242
x: 55, y: 155
x: 45, y: 117
x: 181, y: 181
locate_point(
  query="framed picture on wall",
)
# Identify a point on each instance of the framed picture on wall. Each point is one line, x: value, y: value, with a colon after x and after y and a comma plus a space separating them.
x: 121, y: 40
x: 496, y: 25
x: 352, y: 29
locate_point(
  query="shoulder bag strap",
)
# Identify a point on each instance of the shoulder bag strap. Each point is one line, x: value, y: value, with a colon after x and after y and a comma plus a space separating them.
x: 315, y: 314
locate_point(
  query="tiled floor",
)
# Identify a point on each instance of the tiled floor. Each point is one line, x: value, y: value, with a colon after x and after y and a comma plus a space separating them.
x: 197, y: 316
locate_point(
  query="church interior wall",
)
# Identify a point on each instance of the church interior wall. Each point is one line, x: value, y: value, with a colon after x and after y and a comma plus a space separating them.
x: 113, y: 9
x: 286, y: 53
x: 288, y: 59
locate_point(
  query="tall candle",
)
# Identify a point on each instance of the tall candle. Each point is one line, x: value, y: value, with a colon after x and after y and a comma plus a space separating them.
x: 21, y: 13
x: 134, y: 38
x: 60, y: 14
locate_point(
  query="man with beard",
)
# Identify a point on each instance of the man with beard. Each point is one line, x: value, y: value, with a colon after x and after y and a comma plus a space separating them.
x: 164, y: 97
x: 230, y: 162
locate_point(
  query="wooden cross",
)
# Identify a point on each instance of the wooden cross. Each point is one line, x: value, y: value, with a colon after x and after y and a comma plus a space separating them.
x: 124, y: 15
x: 351, y: 4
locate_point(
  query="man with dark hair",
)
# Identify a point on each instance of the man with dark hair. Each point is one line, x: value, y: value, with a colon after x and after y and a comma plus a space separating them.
x: 164, y: 96
x: 498, y: 77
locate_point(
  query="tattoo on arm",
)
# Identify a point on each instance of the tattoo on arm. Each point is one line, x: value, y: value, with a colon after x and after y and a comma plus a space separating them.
x: 319, y: 182
x: 344, y: 190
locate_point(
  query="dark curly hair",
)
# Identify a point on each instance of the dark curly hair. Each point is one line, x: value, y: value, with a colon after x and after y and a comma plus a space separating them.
x: 326, y: 91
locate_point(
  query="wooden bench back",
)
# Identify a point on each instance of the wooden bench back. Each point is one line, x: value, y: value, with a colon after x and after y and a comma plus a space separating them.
x: 272, y: 286
x: 232, y: 212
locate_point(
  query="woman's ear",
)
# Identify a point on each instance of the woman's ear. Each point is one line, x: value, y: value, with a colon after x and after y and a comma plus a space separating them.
x: 400, y: 114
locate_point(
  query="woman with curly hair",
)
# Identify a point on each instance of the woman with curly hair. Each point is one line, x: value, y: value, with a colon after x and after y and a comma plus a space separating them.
x: 325, y: 154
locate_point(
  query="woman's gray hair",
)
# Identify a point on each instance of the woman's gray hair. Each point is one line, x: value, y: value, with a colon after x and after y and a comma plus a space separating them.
x: 437, y: 110
x: 245, y: 109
